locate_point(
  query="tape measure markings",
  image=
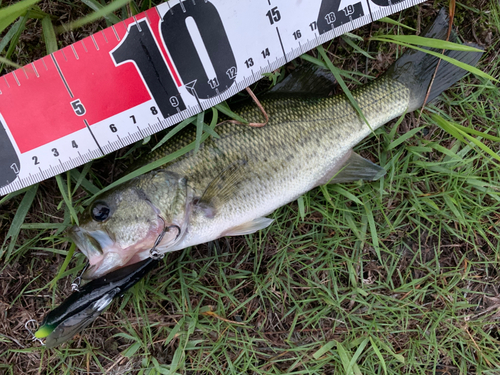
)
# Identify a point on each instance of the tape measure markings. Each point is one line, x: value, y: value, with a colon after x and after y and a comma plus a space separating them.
x: 152, y: 71
x: 61, y: 75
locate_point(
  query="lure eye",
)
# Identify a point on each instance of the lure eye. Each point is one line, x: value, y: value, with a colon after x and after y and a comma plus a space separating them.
x: 100, y: 211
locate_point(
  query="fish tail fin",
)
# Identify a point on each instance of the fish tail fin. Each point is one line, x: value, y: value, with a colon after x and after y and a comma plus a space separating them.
x: 415, y: 69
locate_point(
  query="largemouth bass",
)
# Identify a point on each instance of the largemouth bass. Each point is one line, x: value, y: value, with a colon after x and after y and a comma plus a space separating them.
x: 229, y: 186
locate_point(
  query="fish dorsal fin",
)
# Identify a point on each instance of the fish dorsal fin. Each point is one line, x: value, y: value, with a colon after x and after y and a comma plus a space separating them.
x: 249, y: 228
x: 222, y: 187
x: 354, y: 168
x: 307, y: 79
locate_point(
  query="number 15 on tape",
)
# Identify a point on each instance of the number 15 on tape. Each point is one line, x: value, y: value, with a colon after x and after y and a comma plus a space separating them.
x: 153, y: 70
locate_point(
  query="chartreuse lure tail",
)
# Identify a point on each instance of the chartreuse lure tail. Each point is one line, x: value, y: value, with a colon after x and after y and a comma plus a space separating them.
x: 82, y: 307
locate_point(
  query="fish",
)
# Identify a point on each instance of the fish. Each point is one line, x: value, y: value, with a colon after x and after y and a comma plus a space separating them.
x: 234, y: 181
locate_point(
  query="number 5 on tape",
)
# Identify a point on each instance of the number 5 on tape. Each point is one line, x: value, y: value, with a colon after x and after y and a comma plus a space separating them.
x: 153, y: 70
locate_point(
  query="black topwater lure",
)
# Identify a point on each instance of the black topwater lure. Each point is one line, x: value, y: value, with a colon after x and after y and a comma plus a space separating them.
x: 82, y: 307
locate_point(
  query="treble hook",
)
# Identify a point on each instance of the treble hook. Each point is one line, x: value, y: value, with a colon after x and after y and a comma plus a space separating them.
x: 33, y: 337
x: 155, y: 254
x: 75, y: 285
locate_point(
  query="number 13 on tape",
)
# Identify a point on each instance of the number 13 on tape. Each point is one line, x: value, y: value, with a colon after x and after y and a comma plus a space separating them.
x: 153, y: 70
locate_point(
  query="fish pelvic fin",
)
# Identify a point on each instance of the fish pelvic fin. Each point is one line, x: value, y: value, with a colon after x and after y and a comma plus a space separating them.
x: 415, y: 69
x: 352, y: 168
x: 249, y: 228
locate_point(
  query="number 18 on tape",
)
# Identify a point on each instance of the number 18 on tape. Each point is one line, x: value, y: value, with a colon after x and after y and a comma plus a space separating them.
x: 153, y: 70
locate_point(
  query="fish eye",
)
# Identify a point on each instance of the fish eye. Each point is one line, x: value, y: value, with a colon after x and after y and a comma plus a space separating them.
x: 100, y: 211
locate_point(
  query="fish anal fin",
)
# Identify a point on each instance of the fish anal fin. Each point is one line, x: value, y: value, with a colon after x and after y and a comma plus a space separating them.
x: 352, y: 168
x: 249, y: 227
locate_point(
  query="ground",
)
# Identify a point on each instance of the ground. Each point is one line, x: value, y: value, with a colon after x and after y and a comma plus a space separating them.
x: 398, y: 276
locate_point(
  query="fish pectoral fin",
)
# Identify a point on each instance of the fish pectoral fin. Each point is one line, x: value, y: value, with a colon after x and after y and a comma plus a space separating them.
x: 248, y: 228
x: 354, y: 168
x: 222, y: 187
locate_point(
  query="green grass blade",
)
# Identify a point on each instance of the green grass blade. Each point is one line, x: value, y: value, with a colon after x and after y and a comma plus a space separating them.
x: 101, y: 13
x: 175, y: 331
x: 11, y: 13
x: 342, y: 84
x: 9, y: 35
x: 339, y: 189
x: 404, y: 137
x: 343, y: 73
x: 395, y: 127
x: 210, y: 130
x: 357, y: 354
x: 398, y: 357
x: 221, y: 107
x: 446, y: 125
x: 428, y: 42
x: 174, y: 131
x: 14, y: 194
x: 15, y: 38
x: 344, y: 358
x: 64, y: 266
x: 324, y: 349
x: 215, y: 118
x: 379, y: 355
x: 395, y: 23
x: 199, y: 130
x: 453, y: 61
x: 132, y: 349
x: 476, y: 132
x: 5, y: 61
x: 356, y: 47
x: 80, y: 179
x: 49, y: 35
x: 15, y: 226
x: 64, y: 189
x: 302, y: 210
x: 97, y: 6
x: 149, y: 167
x: 373, y: 229
x: 452, y: 205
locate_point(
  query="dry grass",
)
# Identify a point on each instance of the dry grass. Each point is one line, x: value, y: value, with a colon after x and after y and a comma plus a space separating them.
x: 309, y: 294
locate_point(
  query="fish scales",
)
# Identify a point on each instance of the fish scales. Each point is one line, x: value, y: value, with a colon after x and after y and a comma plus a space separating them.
x: 298, y: 127
x: 303, y: 140
x: 233, y: 181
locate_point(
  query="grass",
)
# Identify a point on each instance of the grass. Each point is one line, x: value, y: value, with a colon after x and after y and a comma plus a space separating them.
x: 390, y: 277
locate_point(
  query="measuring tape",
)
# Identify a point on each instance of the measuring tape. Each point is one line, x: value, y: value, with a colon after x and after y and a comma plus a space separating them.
x: 152, y: 71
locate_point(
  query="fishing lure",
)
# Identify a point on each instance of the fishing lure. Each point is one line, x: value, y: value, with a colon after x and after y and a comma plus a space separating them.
x: 83, y: 306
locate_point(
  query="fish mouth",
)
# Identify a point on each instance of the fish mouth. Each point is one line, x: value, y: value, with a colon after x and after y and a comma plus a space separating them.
x: 107, y: 263
x: 102, y: 252
x: 91, y: 244
x: 105, y: 255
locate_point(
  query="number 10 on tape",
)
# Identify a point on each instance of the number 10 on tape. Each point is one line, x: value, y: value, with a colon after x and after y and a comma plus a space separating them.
x: 108, y: 90
x: 151, y: 71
